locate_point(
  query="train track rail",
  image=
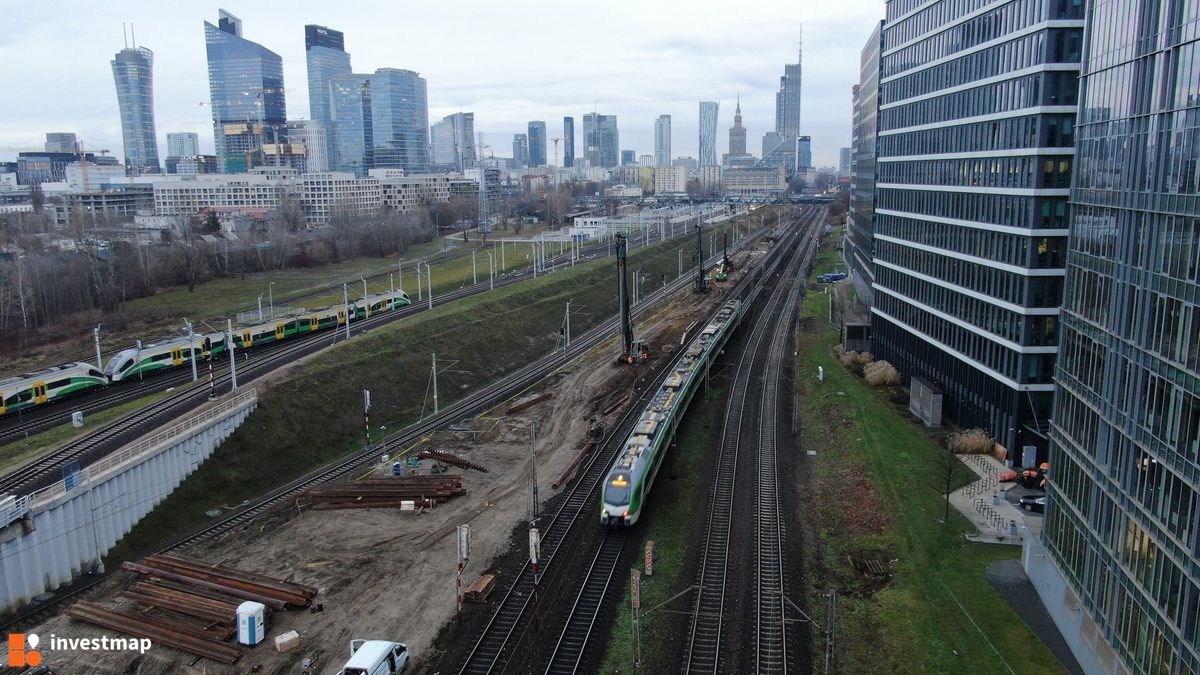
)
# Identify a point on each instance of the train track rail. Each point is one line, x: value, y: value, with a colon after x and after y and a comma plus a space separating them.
x: 703, y: 650
x: 395, y: 443
x: 506, y: 631
x: 87, y: 448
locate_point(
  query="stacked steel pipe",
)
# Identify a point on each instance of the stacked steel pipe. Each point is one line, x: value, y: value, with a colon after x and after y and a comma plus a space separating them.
x: 162, y: 632
x: 271, y: 592
x: 386, y: 493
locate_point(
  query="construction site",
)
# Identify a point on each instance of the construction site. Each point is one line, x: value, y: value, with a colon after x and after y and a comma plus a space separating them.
x: 382, y: 553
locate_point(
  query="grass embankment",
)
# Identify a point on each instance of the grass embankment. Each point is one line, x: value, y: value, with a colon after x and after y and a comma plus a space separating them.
x: 873, y: 494
x: 18, y: 452
x: 315, y: 415
x: 667, y: 522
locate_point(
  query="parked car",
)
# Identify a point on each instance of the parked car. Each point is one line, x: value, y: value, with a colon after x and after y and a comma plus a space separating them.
x: 1033, y: 503
x: 830, y: 277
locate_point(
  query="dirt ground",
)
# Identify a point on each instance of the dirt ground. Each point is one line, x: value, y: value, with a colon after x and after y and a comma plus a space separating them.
x: 384, y: 574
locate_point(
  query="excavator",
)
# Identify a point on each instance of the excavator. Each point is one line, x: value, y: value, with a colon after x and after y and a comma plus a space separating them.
x: 632, y: 349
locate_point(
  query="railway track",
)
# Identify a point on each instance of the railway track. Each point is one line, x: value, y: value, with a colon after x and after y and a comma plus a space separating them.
x: 703, y: 650
x: 506, y: 631
x: 19, y: 425
x: 483, y: 399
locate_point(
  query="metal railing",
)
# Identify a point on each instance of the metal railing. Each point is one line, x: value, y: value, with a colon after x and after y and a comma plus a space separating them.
x: 134, y: 451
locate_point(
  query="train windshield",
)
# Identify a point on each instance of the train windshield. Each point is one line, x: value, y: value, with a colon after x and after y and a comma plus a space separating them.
x: 618, y: 490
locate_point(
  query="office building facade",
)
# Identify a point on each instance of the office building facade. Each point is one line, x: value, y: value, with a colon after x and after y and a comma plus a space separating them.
x: 399, y: 120
x: 183, y: 144
x: 601, y: 140
x: 326, y: 58
x: 803, y: 153
x: 521, y: 150
x: 453, y: 142
x: 245, y: 81
x: 568, y: 141
x: 779, y: 146
x: 972, y: 181
x: 628, y: 158
x: 61, y: 141
x: 1123, y: 518
x: 662, y: 140
x: 708, y: 133
x: 537, y: 143
x: 133, y: 72
x: 859, y: 251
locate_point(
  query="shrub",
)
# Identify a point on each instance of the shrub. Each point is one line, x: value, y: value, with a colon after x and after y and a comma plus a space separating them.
x: 970, y: 442
x: 848, y: 358
x: 881, y: 374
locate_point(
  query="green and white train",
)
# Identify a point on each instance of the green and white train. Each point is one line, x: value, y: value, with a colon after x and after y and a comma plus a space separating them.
x: 632, y: 475
x: 53, y: 384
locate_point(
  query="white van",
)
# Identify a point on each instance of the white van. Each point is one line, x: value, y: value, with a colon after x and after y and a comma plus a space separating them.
x: 376, y: 657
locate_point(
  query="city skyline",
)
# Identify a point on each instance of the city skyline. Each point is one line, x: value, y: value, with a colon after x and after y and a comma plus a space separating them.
x: 475, y: 78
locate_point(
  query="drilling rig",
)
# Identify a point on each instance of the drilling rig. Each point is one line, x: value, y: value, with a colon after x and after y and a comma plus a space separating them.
x: 725, y: 267
x: 632, y: 349
x: 699, y: 282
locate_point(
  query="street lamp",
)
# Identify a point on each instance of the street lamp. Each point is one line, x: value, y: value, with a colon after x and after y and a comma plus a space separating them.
x: 271, y: 299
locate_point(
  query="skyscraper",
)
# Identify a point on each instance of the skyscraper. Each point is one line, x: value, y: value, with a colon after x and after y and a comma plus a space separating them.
x: 315, y: 138
x: 353, y: 139
x: 453, y: 142
x: 521, y: 150
x: 662, y: 140
x: 537, y: 143
x: 326, y: 58
x: 568, y: 141
x: 399, y: 120
x: 1122, y: 524
x: 779, y: 146
x: 969, y: 250
x: 61, y: 141
x: 628, y: 158
x: 601, y: 140
x: 804, y: 152
x: 737, y: 132
x: 844, y: 162
x: 133, y: 71
x: 859, y: 251
x: 183, y: 144
x: 708, y: 133
x: 245, y: 81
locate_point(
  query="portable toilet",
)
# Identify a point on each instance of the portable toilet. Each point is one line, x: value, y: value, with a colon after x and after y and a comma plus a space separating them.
x: 251, y: 623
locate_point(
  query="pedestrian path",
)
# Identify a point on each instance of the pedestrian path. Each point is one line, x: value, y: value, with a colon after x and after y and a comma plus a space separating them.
x: 996, y: 520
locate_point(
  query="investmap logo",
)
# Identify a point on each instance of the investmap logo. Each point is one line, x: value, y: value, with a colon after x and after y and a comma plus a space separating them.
x: 23, y: 651
x: 18, y: 655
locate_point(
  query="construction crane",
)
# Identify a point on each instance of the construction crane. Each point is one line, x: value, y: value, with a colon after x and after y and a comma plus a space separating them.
x: 632, y: 349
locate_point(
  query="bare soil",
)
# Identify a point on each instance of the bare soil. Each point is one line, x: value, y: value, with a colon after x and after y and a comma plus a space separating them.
x: 389, y: 575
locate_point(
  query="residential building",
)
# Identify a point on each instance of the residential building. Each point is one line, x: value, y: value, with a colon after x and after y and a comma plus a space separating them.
x: 453, y: 142
x: 1121, y: 574
x: 568, y: 141
x: 859, y: 250
x: 328, y: 196
x: 803, y: 153
x: 662, y: 140
x: 183, y: 144
x: 710, y: 178
x: 601, y: 140
x: 409, y: 193
x: 708, y: 133
x: 253, y: 190
x: 753, y: 181
x: 521, y: 150
x: 537, y: 143
x: 326, y: 58
x: 245, y: 81
x: 646, y: 161
x: 628, y: 157
x: 61, y: 141
x: 133, y: 72
x: 670, y: 180
x: 972, y: 181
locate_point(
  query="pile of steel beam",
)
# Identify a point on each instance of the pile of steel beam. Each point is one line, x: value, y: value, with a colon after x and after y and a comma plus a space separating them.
x: 452, y: 459
x: 163, y: 631
x: 273, y: 593
x: 388, y: 493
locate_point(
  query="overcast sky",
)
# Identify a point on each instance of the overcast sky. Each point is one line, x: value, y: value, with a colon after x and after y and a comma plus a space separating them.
x: 508, y: 62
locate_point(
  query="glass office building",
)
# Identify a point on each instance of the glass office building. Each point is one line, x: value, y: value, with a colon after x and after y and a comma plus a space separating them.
x: 245, y: 81
x: 662, y: 141
x: 568, y: 141
x: 452, y: 140
x: 601, y: 140
x: 708, y: 133
x: 133, y: 71
x: 353, y: 140
x: 859, y: 249
x: 537, y: 143
x: 399, y: 120
x: 1123, y: 520
x: 974, y: 153
x: 326, y: 58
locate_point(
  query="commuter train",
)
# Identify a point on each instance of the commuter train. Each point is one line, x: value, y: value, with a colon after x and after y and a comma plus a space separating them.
x: 58, y: 382
x: 628, y: 483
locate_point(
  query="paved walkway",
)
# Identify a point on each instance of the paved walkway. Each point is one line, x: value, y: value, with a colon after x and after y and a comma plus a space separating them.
x: 1010, y: 580
x: 997, y: 520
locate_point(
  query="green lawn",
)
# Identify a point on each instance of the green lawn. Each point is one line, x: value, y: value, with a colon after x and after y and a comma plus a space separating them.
x: 874, y: 494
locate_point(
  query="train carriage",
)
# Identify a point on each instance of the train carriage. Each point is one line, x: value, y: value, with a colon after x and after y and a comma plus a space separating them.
x: 45, y: 386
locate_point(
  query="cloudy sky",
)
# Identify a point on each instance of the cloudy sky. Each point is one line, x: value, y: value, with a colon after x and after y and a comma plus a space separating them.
x: 508, y: 62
